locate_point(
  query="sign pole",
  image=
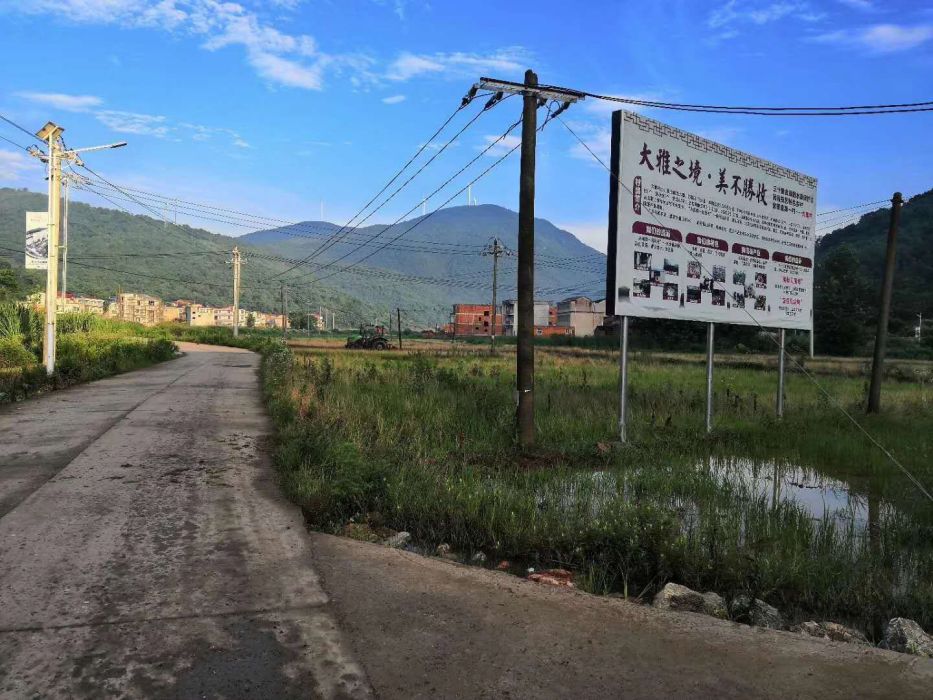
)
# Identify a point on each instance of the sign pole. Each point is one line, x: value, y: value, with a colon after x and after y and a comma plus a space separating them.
x: 710, y: 336
x: 780, y: 391
x: 623, y: 377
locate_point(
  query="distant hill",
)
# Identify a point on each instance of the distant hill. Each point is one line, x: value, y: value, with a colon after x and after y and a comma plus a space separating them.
x: 112, y: 250
x: 850, y: 266
x: 445, y: 245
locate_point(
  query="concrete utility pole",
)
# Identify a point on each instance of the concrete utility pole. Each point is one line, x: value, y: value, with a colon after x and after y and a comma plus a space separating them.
x: 51, y: 133
x: 284, y: 311
x: 881, y: 334
x: 236, y: 262
x: 398, y: 313
x: 534, y: 97
x: 495, y: 251
x: 919, y: 326
x: 66, y: 182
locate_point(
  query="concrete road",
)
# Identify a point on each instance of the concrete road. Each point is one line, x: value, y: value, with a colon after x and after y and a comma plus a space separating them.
x: 145, y: 550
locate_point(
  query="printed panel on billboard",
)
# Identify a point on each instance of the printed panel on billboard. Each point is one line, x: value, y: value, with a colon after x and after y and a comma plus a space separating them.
x: 37, y: 240
x: 703, y: 232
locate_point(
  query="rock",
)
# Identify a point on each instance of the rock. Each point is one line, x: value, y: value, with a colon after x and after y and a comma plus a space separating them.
x: 906, y: 636
x: 757, y: 613
x: 360, y: 531
x: 479, y: 558
x: 714, y: 605
x: 503, y: 565
x: 832, y: 631
x: 676, y: 597
x: 445, y: 552
x: 398, y: 540
x: 553, y: 577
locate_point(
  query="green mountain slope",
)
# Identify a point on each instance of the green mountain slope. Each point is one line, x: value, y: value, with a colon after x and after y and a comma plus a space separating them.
x: 849, y: 270
x: 110, y: 250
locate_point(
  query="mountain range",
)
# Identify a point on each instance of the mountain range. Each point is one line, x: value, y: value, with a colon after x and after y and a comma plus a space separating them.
x: 363, y: 274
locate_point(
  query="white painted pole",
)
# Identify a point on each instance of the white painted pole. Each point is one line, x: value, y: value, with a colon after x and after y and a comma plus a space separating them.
x: 710, y: 336
x: 623, y: 378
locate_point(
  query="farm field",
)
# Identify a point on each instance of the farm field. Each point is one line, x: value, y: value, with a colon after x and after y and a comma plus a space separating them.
x: 803, y: 512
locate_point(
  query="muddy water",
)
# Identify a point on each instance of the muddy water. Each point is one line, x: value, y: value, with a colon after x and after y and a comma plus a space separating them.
x: 822, y: 497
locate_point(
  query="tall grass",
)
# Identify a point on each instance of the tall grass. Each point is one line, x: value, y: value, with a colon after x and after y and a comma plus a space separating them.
x: 424, y: 443
x: 88, y: 347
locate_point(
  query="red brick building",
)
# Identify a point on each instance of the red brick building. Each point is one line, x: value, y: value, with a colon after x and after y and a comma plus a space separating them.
x: 473, y: 319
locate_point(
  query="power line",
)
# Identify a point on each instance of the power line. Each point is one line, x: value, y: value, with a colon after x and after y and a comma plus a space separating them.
x: 442, y: 186
x: 466, y: 101
x: 771, y: 111
x: 22, y: 128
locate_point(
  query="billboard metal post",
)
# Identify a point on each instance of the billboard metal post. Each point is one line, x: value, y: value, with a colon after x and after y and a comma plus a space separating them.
x: 623, y: 377
x: 710, y: 337
x: 780, y: 390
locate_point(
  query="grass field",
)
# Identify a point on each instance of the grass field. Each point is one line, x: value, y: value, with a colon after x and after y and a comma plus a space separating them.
x: 423, y: 441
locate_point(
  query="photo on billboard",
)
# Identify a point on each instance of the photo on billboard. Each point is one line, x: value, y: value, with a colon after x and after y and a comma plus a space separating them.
x: 727, y: 237
x: 37, y: 240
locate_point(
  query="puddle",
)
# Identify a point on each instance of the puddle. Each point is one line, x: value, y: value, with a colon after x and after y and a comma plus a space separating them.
x: 822, y: 497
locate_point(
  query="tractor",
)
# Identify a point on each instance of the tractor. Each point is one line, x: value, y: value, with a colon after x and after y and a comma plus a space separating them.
x: 370, y: 338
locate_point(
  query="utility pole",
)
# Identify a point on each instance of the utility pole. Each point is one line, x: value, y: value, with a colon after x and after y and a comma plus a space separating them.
x: 284, y: 311
x: 67, y: 188
x: 533, y: 98
x: 398, y: 312
x: 881, y: 334
x: 919, y: 327
x: 236, y: 262
x: 51, y: 134
x: 495, y: 251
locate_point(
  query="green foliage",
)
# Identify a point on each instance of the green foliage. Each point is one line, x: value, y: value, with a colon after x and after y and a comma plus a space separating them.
x: 89, y: 347
x: 424, y: 443
x: 849, y: 270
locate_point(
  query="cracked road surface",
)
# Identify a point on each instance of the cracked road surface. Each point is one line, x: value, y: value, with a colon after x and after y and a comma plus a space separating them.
x: 145, y: 550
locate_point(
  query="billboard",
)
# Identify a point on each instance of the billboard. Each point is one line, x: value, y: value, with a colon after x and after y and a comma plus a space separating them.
x: 699, y: 231
x: 37, y: 240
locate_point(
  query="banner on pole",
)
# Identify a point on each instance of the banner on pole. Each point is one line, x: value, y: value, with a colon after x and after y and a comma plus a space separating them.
x: 37, y: 240
x: 699, y: 231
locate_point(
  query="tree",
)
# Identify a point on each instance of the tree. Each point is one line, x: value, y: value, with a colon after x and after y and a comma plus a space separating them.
x: 842, y: 299
x: 15, y: 284
x: 250, y: 320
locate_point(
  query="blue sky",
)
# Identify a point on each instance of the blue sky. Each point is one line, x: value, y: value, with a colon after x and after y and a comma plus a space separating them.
x: 271, y: 106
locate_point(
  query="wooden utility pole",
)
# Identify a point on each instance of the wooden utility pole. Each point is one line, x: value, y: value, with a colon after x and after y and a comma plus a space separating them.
x: 398, y: 312
x: 887, y: 285
x: 534, y: 96
x: 525, y: 357
x: 496, y: 250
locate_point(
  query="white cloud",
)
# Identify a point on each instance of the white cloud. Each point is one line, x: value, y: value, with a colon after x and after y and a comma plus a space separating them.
x: 505, y: 144
x: 69, y: 103
x: 865, y: 5
x: 12, y: 165
x: 134, y: 123
x: 598, y: 138
x: 731, y: 13
x: 393, y: 99
x: 880, y: 38
x: 594, y: 233
x: 459, y: 64
x: 286, y: 71
x: 282, y: 58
